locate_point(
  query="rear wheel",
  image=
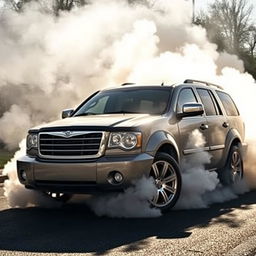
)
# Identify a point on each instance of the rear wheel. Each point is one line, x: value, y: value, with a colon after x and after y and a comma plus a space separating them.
x: 167, y: 177
x: 233, y: 170
x: 60, y: 197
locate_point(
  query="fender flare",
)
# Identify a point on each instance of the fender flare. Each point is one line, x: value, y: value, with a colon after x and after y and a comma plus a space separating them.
x: 232, y: 135
x: 158, y: 139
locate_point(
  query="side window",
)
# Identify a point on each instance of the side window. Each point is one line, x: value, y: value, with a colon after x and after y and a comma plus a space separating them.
x: 209, y: 107
x: 186, y: 96
x: 228, y: 104
x: 217, y: 105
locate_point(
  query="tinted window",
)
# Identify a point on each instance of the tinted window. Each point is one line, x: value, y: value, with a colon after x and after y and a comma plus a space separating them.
x: 217, y: 106
x: 149, y: 101
x: 207, y: 101
x: 186, y: 96
x: 228, y: 104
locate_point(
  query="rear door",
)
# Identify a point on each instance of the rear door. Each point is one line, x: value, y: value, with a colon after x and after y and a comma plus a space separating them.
x: 217, y: 126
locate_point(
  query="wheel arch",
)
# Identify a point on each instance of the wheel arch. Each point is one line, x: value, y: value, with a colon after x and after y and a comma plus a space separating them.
x: 162, y: 141
x: 233, y: 139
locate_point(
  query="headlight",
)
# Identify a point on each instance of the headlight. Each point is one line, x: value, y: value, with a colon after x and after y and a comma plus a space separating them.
x: 125, y: 140
x: 32, y: 141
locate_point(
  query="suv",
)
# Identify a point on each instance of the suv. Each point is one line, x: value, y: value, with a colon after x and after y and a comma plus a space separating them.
x: 118, y: 135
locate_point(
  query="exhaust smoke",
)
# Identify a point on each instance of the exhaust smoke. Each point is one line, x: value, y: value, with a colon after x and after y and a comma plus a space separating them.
x: 133, y: 203
x: 200, y: 187
x: 17, y: 195
x: 59, y: 61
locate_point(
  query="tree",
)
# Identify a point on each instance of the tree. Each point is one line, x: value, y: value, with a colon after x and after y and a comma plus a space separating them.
x: 214, y: 34
x: 228, y: 24
x: 232, y: 19
x: 252, y: 40
x: 66, y: 5
x: 16, y: 5
x: 54, y: 6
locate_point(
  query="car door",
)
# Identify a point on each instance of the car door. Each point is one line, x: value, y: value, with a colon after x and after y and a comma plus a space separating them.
x: 217, y: 126
x: 187, y: 125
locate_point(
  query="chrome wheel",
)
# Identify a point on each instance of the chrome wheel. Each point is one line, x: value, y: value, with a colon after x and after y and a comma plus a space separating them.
x: 166, y: 181
x: 236, y: 167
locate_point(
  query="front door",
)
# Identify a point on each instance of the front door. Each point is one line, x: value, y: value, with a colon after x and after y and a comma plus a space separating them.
x: 192, y: 130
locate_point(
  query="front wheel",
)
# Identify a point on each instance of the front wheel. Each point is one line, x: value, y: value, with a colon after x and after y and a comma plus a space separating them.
x: 166, y: 174
x: 233, y: 170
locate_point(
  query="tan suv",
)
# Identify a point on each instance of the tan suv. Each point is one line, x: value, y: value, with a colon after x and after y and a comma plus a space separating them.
x: 118, y: 135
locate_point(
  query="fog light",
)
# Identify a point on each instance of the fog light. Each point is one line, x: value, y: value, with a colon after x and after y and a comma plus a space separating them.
x: 118, y: 177
x: 23, y: 175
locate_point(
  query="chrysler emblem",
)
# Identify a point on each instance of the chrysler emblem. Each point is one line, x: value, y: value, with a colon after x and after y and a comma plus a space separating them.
x: 67, y: 133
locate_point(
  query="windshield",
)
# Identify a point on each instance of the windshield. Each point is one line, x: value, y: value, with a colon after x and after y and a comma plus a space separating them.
x: 149, y: 101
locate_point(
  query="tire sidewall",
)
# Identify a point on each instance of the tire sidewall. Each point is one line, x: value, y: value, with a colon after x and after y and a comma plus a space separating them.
x: 225, y: 175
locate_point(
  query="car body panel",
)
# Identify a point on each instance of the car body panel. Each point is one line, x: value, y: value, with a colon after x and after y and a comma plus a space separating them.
x: 48, y: 174
x: 217, y: 134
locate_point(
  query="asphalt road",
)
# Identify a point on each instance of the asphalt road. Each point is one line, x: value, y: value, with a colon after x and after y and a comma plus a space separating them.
x: 75, y: 230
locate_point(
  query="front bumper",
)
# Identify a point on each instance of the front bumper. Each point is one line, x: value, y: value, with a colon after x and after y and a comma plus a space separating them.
x: 90, y: 176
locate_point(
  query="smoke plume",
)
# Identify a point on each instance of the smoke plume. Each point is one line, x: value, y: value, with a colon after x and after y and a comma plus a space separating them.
x: 17, y: 195
x: 133, y: 203
x: 48, y: 64
x: 201, y: 187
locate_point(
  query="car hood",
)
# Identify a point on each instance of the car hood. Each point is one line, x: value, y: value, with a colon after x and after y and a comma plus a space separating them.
x: 111, y: 121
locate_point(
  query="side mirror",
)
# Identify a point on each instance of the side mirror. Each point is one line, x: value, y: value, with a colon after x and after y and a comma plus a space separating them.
x: 191, y: 109
x: 67, y: 113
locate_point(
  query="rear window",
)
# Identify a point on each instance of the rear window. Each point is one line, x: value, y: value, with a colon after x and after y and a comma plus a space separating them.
x: 228, y: 104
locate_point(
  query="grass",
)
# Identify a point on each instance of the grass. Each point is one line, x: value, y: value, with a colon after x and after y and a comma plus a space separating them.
x: 5, y: 156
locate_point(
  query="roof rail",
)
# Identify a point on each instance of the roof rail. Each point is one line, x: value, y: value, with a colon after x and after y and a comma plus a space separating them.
x: 125, y: 84
x: 191, y: 81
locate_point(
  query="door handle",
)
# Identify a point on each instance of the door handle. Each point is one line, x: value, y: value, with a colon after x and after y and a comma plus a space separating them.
x: 204, y: 126
x: 225, y: 125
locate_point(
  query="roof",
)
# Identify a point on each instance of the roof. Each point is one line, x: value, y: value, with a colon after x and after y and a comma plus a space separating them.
x: 162, y: 85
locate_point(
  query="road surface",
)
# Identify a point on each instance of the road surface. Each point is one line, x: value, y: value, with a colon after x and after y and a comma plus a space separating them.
x: 221, y: 229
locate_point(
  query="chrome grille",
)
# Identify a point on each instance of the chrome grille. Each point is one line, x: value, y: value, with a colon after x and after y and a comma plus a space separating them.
x: 71, y: 144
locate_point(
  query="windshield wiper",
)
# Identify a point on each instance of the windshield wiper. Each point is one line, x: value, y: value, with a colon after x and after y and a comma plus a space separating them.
x: 123, y: 112
x: 87, y: 114
x: 106, y: 113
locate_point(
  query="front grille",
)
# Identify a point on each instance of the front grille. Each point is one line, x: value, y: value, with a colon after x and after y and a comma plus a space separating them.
x: 70, y: 145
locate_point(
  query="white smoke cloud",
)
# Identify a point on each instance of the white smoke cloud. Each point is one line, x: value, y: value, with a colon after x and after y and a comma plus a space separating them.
x: 17, y: 195
x: 201, y: 187
x: 44, y: 59
x: 47, y: 64
x: 19, y: 119
x: 133, y: 203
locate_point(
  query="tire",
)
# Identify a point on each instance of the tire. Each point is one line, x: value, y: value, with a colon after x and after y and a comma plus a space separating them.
x: 233, y: 171
x: 60, y: 197
x: 167, y: 176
